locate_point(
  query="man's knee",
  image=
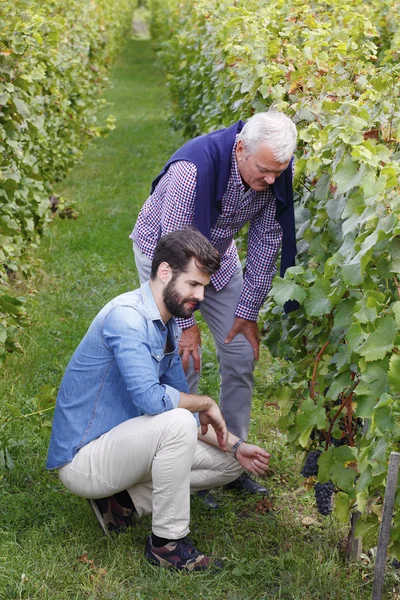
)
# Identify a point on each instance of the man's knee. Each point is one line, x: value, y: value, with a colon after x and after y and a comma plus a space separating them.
x: 182, y: 422
x: 238, y: 353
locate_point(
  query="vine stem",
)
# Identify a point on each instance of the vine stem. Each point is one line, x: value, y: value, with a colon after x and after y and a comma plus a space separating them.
x: 314, y: 375
x: 397, y: 285
x: 335, y: 418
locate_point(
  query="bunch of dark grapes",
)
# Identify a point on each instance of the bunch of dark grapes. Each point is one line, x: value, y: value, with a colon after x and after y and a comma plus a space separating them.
x: 310, y: 467
x: 324, y: 497
x: 339, y: 442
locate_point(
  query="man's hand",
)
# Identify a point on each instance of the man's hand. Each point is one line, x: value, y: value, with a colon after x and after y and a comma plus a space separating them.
x: 253, y: 458
x: 189, y: 345
x: 250, y: 331
x: 213, y: 416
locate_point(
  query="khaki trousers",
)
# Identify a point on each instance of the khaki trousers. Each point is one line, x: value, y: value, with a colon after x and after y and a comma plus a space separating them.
x: 159, y: 460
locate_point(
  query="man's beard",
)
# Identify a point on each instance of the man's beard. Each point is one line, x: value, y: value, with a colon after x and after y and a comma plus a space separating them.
x: 175, y: 303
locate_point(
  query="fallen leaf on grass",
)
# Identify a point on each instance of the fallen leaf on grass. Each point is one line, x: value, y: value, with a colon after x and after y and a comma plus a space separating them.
x: 308, y: 521
x: 98, y: 572
x: 264, y: 505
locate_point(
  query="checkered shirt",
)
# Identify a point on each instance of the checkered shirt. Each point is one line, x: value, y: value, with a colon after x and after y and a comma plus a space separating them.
x: 171, y: 207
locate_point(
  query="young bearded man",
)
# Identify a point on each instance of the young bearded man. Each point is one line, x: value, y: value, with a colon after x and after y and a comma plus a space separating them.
x: 127, y: 434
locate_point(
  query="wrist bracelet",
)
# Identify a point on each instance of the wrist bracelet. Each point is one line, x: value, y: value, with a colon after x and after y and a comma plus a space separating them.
x: 236, y: 446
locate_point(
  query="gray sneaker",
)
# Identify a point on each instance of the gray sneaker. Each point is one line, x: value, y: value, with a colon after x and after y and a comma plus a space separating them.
x: 180, y: 555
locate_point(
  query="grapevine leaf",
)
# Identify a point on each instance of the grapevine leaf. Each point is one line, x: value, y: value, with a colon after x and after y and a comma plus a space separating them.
x: 396, y: 310
x: 318, y: 303
x: 284, y: 290
x: 344, y: 314
x: 346, y: 176
x: 379, y: 455
x: 368, y: 531
x: 394, y: 251
x: 383, y: 418
x: 351, y: 274
x: 355, y: 336
x: 332, y: 466
x: 374, y: 379
x: 365, y: 479
x: 340, y: 383
x: 394, y: 372
x: 342, y: 507
x: 379, y: 342
x: 311, y: 416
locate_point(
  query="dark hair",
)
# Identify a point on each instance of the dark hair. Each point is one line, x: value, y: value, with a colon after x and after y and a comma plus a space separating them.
x: 179, y: 247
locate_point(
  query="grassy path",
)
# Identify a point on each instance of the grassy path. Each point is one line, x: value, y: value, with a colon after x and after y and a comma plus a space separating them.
x: 50, y: 545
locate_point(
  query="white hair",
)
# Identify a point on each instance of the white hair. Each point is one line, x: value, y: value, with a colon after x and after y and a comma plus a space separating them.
x: 274, y: 130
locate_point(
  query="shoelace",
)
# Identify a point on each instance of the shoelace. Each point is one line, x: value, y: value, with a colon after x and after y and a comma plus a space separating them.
x: 187, y: 550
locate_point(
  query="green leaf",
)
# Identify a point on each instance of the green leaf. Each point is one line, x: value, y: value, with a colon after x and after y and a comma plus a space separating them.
x: 318, y: 303
x: 355, y: 336
x: 284, y: 290
x: 394, y: 251
x: 379, y: 342
x: 396, y: 311
x: 332, y: 466
x: 311, y: 416
x: 344, y: 314
x: 346, y: 176
x: 22, y: 108
x: 394, y: 373
x: 374, y: 379
x: 383, y: 418
x: 368, y: 531
x: 351, y: 274
x: 342, y: 504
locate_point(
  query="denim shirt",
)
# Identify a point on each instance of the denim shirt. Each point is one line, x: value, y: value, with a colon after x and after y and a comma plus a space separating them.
x: 119, y: 371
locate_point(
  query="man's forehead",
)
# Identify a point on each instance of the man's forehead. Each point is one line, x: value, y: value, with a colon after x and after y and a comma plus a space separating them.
x: 195, y: 271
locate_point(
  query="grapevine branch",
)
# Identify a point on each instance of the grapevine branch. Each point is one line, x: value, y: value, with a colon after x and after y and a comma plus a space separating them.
x: 349, y: 412
x: 397, y: 285
x: 335, y: 418
x: 314, y: 375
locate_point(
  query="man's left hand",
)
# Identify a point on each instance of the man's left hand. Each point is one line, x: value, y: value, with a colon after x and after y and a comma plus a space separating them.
x: 253, y: 458
x: 250, y: 331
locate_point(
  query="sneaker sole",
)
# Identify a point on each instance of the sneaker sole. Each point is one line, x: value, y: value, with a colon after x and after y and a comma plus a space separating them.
x: 99, y: 517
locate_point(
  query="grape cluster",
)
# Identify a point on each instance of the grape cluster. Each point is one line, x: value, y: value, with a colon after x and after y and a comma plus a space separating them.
x: 324, y: 497
x: 310, y: 467
x: 338, y: 442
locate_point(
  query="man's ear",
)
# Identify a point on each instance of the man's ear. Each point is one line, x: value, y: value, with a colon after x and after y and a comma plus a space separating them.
x: 164, y: 272
x: 240, y: 152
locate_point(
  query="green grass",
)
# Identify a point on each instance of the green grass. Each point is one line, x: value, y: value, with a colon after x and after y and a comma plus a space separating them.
x: 50, y: 545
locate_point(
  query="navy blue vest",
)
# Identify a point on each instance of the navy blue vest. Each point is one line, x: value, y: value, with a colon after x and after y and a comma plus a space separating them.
x: 211, y: 153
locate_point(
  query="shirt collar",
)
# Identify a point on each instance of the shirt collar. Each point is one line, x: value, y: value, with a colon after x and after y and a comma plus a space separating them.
x: 148, y: 299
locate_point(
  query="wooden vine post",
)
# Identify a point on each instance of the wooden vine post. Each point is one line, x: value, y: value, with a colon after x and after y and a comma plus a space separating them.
x: 384, y: 532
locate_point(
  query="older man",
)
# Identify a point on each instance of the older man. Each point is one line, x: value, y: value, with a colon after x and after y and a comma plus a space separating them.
x: 219, y: 182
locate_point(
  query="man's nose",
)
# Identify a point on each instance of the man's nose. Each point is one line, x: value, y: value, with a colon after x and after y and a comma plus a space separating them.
x: 270, y: 178
x: 200, y: 294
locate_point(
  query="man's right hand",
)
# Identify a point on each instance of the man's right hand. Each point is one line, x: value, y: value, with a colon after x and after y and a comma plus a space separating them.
x: 189, y: 345
x: 213, y: 416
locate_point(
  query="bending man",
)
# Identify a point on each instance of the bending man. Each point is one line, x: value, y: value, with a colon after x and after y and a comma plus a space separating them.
x: 219, y: 182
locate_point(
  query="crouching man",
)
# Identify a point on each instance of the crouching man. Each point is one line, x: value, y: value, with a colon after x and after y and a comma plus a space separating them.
x: 127, y: 434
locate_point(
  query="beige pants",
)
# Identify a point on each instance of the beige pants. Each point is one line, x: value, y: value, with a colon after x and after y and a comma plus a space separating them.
x: 159, y: 460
